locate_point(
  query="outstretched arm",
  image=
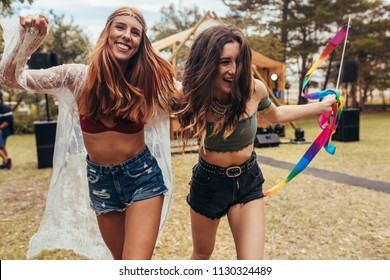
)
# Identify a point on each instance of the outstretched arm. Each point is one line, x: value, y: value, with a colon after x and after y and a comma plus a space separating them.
x: 288, y: 113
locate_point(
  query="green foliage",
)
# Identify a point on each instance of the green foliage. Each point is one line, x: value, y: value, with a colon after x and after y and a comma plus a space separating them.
x: 173, y: 21
x: 6, y: 5
x: 370, y: 47
x: 24, y: 124
x: 267, y: 45
x: 67, y: 40
x: 36, y: 112
x: 6, y: 9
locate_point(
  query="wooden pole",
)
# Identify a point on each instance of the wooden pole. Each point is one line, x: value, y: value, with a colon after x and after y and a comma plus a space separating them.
x: 176, y: 52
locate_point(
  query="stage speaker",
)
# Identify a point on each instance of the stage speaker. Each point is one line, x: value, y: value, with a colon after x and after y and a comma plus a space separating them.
x: 349, y: 72
x: 267, y: 140
x: 45, y: 157
x: 45, y: 135
x: 348, y: 128
x: 42, y: 60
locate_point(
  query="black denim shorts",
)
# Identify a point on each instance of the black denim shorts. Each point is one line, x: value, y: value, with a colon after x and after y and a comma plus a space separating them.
x: 214, y: 189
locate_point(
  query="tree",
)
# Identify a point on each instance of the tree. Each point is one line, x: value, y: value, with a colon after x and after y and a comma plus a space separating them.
x: 173, y: 21
x: 305, y: 26
x: 308, y: 26
x: 6, y: 5
x: 369, y: 46
x: 67, y: 40
x: 257, y: 32
x: 292, y: 23
x: 267, y: 45
x: 266, y: 15
x: 6, y: 9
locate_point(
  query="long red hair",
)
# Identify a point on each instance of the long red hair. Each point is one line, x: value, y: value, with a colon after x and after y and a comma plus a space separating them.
x: 135, y: 94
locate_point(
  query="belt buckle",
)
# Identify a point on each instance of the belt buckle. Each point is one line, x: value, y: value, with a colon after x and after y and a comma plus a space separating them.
x: 233, y: 171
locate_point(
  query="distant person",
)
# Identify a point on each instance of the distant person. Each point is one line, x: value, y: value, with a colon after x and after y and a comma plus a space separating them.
x: 114, y: 113
x: 221, y: 101
x: 6, y: 129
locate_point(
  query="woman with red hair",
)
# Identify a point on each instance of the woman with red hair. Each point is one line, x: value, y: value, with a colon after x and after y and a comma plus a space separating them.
x: 114, y: 114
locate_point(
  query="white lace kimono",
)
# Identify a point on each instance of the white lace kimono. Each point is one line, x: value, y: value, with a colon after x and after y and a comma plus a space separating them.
x: 68, y: 221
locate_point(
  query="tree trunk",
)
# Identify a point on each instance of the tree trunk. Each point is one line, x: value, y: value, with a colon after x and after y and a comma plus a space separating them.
x: 328, y: 71
x: 284, y: 33
x: 301, y: 100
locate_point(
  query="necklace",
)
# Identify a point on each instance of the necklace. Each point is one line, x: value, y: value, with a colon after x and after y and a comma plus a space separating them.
x: 218, y: 110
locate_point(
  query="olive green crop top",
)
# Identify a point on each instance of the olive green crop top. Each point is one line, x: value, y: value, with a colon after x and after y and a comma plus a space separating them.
x: 265, y: 103
x: 242, y: 136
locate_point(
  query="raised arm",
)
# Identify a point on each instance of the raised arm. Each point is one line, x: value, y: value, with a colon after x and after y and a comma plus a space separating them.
x: 288, y: 113
x: 22, y: 38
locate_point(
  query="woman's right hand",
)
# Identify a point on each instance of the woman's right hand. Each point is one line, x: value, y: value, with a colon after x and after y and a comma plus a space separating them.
x: 38, y: 22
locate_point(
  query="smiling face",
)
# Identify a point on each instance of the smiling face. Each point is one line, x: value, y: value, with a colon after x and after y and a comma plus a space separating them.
x: 124, y: 38
x: 226, y: 69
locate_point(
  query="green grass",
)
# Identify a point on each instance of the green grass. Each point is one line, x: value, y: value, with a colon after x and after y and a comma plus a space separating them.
x: 310, y: 218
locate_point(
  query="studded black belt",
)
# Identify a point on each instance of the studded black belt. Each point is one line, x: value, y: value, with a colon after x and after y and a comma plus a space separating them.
x: 231, y: 171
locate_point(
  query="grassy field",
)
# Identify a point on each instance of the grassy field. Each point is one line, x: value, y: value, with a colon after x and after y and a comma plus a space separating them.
x: 310, y: 218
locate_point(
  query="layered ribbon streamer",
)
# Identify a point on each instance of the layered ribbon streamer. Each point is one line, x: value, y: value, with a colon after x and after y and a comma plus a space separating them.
x: 327, y: 121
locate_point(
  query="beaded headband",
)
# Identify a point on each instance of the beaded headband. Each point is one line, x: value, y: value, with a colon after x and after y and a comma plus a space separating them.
x: 125, y: 14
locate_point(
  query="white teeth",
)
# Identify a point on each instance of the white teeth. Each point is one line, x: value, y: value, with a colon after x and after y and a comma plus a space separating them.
x: 122, y: 46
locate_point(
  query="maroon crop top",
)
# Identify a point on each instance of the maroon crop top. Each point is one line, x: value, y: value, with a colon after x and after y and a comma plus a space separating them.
x: 121, y: 126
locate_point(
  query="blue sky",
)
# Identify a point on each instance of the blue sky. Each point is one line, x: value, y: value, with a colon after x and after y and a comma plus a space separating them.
x: 92, y: 14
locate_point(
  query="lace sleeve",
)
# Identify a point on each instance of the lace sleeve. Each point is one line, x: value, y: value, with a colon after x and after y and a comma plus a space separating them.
x: 20, y: 44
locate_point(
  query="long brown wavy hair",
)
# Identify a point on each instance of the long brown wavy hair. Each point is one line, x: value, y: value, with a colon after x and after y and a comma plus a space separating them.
x: 199, y: 74
x: 134, y: 95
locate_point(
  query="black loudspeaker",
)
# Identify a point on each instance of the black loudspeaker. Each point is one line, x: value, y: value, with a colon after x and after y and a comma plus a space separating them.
x: 45, y: 135
x: 348, y: 127
x: 267, y: 140
x: 349, y: 72
x: 42, y: 60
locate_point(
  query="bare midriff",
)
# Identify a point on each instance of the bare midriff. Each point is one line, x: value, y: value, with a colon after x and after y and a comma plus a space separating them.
x: 111, y: 148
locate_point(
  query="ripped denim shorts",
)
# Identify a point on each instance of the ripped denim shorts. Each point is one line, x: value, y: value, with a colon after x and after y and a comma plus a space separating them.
x: 115, y: 187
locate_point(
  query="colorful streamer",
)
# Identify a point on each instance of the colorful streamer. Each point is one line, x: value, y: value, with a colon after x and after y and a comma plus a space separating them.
x: 327, y: 121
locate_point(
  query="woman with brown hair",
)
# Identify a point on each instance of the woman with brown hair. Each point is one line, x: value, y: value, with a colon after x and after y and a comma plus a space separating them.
x: 219, y: 107
x: 114, y: 113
